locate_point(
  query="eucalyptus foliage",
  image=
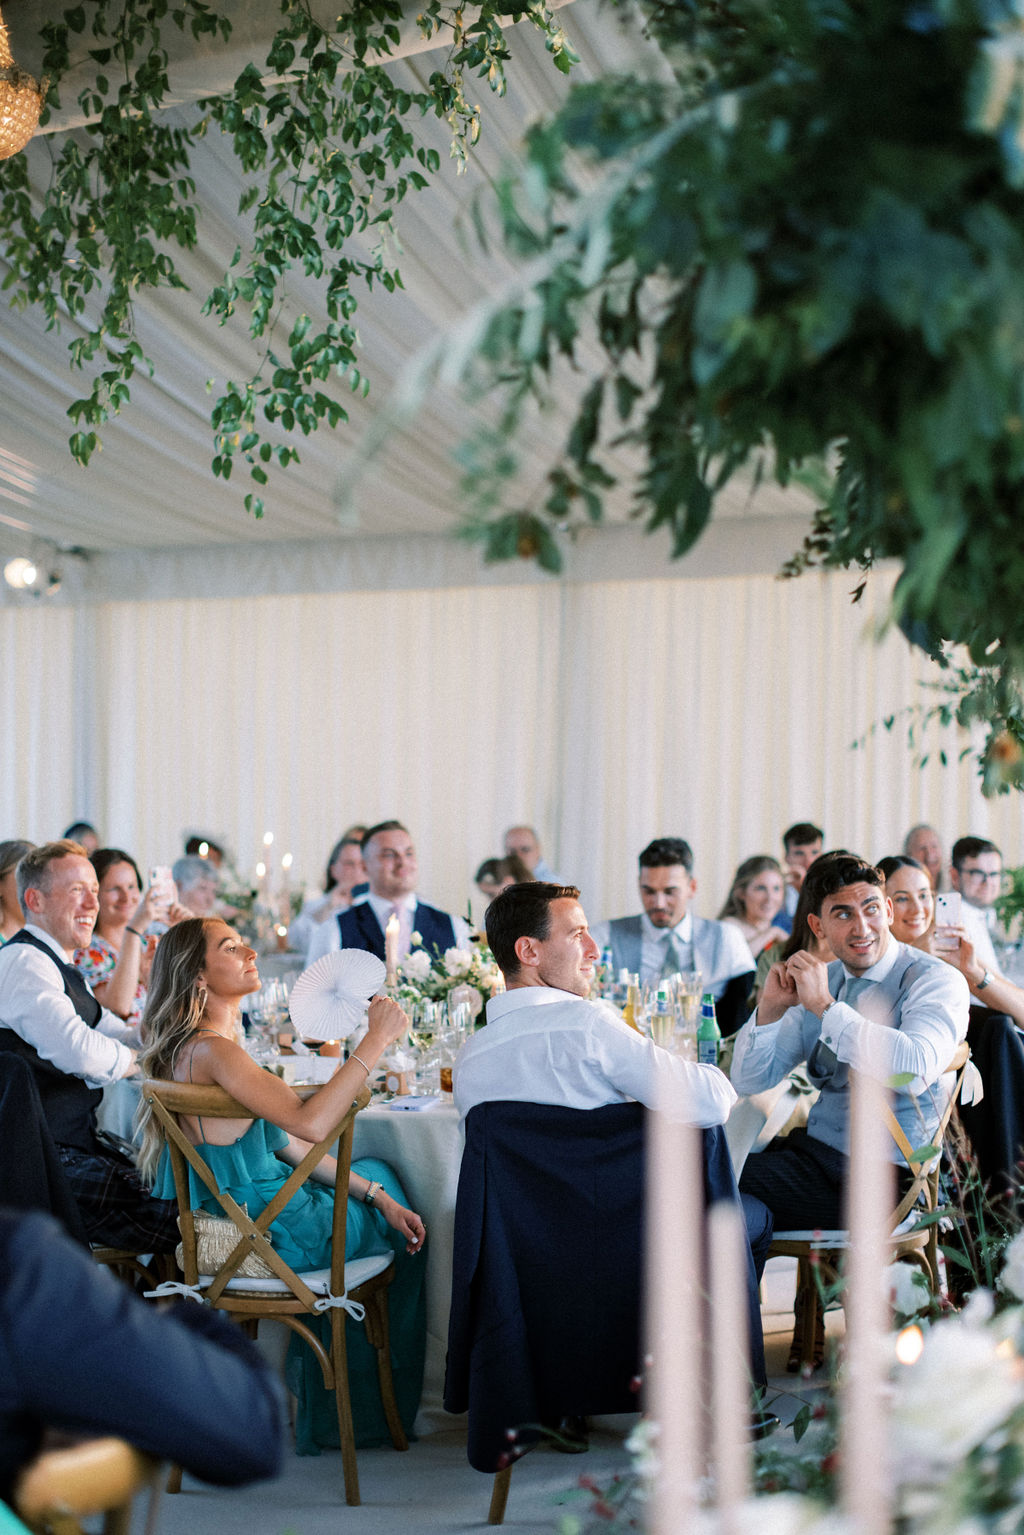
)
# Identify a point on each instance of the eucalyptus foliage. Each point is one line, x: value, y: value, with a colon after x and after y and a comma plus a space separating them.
x: 326, y: 146
x: 801, y: 255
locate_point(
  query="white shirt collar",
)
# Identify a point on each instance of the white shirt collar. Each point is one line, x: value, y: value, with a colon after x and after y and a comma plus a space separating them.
x: 381, y: 906
x: 527, y: 996
x: 51, y: 943
x: 683, y: 930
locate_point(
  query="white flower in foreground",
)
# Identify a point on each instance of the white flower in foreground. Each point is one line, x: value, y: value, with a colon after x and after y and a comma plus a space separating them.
x: 1012, y: 1277
x: 416, y: 965
x: 458, y: 961
x: 906, y: 1289
x: 965, y: 1384
x: 787, y: 1513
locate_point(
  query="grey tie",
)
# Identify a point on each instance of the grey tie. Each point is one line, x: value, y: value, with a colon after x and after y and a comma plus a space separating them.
x: 671, y: 964
x: 823, y: 1057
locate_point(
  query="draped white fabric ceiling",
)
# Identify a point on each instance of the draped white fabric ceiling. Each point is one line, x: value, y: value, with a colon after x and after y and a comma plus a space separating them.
x: 202, y: 669
x: 151, y: 487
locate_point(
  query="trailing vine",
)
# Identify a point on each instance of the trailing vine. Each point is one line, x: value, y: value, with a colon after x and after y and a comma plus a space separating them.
x: 325, y: 141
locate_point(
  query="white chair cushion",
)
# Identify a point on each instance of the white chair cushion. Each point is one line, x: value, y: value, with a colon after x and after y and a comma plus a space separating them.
x: 357, y: 1272
x: 842, y: 1238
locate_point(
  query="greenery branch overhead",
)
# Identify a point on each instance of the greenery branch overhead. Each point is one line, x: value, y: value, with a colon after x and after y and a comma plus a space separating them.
x: 327, y: 150
x: 796, y: 253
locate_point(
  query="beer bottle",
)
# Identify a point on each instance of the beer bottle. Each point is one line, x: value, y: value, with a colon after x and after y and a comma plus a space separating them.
x: 708, y: 1032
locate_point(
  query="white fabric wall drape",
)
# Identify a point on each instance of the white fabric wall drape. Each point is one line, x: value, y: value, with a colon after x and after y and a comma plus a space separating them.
x: 605, y: 712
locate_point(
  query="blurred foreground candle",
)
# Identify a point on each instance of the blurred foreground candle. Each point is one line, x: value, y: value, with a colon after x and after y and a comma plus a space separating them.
x: 672, y: 1366
x: 729, y: 1362
x: 871, y: 1198
x: 392, y: 933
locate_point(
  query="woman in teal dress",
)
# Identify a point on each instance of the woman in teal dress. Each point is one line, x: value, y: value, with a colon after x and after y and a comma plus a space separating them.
x: 190, y: 1029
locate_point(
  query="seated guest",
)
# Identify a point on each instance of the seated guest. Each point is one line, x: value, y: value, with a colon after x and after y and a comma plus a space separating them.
x: 667, y: 938
x: 80, y: 1352
x: 85, y: 834
x: 393, y: 872
x: 197, y: 881
x: 924, y: 843
x: 802, y: 844
x: 74, y: 1046
x: 881, y: 1007
x: 496, y: 874
x: 976, y: 871
x: 345, y: 871
x: 201, y: 973
x: 117, y: 959
x: 11, y: 915
x: 995, y: 1126
x: 756, y: 897
x: 545, y: 1043
x: 522, y: 842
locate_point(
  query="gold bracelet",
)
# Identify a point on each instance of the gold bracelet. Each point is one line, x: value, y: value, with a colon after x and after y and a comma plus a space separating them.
x: 354, y: 1057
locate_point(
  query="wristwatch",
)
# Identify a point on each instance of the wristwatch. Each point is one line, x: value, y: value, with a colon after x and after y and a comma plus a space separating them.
x: 984, y: 981
x: 370, y: 1197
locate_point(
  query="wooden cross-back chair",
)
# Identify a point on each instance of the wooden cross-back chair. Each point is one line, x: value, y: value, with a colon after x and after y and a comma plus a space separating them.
x: 63, y: 1487
x: 358, y: 1288
x: 913, y: 1224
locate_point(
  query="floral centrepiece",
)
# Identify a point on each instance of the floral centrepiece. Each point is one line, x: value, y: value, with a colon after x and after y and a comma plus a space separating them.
x: 458, y: 975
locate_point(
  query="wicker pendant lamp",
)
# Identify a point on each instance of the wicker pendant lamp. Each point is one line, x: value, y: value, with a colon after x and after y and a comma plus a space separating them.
x: 21, y: 101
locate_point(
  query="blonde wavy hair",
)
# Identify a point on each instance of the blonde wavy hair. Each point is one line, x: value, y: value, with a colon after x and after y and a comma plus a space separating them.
x: 175, y: 1007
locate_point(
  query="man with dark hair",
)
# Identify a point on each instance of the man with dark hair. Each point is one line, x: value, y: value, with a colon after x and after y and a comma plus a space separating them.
x: 667, y: 937
x: 801, y: 844
x: 880, y: 1007
x: 546, y: 1044
x: 75, y: 1047
x: 392, y: 870
x: 977, y: 873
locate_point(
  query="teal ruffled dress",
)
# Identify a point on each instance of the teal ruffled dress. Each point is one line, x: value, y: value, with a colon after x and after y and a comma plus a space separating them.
x: 250, y: 1170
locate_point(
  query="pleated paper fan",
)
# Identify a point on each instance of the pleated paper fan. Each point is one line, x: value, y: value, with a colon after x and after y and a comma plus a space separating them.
x: 328, y: 1001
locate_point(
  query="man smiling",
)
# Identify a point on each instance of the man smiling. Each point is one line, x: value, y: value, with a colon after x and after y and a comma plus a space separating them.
x: 74, y: 1046
x: 881, y: 1007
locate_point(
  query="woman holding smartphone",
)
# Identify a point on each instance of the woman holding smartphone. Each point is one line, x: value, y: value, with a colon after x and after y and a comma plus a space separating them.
x: 117, y: 960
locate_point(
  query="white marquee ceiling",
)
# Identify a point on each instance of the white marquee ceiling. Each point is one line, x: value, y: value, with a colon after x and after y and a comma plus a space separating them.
x: 151, y: 488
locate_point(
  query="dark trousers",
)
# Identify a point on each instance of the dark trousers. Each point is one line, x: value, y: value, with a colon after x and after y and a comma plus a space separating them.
x: 798, y: 1183
x: 116, y: 1207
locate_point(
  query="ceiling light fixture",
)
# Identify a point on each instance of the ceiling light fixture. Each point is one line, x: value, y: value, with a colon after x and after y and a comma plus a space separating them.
x: 20, y: 573
x: 21, y: 101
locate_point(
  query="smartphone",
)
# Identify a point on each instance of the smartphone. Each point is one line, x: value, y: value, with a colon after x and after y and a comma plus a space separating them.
x: 948, y: 915
x: 162, y: 885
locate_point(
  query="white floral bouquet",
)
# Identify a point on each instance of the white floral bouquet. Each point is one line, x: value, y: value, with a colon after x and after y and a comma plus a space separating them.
x: 458, y: 975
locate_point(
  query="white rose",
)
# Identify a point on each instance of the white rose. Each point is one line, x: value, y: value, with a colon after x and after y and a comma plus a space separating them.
x: 416, y: 965
x: 458, y: 961
x: 965, y: 1384
x: 906, y: 1289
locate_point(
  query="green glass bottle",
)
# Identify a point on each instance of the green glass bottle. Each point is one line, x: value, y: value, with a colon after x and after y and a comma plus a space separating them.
x: 709, y: 1035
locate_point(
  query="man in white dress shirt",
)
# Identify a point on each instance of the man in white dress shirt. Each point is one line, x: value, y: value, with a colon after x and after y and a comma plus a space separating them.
x: 75, y: 1047
x: 668, y: 937
x: 545, y: 1043
x: 976, y: 871
x: 392, y: 869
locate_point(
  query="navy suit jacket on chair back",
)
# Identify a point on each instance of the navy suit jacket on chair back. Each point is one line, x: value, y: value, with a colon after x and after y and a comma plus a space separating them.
x: 547, y: 1279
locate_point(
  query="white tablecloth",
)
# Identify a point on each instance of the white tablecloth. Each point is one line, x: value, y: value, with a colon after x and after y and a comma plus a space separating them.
x: 425, y: 1150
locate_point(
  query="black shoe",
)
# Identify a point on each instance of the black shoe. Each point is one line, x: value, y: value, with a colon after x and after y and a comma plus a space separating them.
x: 569, y: 1436
x: 762, y: 1423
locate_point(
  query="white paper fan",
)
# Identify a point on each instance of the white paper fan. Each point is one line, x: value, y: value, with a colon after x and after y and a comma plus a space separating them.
x: 328, y: 1001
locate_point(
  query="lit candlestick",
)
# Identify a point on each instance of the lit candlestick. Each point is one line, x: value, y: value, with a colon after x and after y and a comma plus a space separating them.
x: 729, y: 1363
x: 674, y: 1307
x: 391, y: 937
x: 268, y: 839
x: 870, y: 1195
x: 286, y: 889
